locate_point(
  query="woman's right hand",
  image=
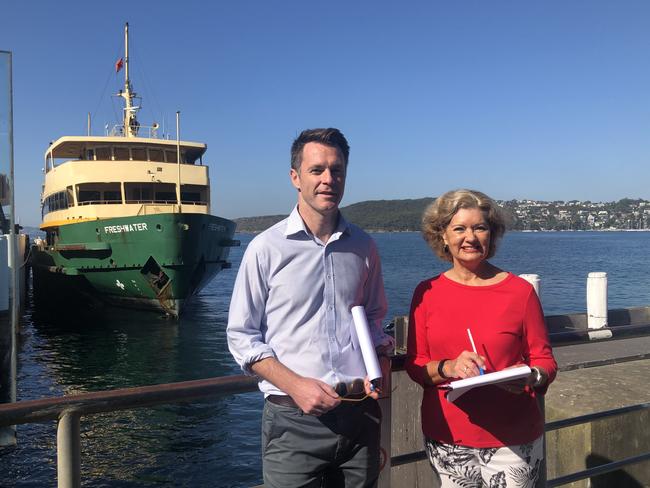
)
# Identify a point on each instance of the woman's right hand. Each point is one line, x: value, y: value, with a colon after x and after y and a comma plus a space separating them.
x: 466, y: 365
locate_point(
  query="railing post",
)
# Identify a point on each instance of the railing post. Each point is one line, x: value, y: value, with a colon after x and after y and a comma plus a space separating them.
x: 386, y: 430
x: 68, y: 451
x: 543, y: 470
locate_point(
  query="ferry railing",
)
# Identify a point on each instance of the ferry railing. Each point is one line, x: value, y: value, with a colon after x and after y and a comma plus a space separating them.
x: 68, y: 410
x: 99, y: 202
x: 150, y: 131
x: 165, y: 202
x: 183, y: 202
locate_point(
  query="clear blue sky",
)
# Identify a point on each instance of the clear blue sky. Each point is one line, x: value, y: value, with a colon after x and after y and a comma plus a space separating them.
x: 545, y: 100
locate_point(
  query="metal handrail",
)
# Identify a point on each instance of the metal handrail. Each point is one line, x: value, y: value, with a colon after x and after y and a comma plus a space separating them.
x: 69, y: 409
x: 44, y: 409
x: 597, y: 470
x: 590, y: 417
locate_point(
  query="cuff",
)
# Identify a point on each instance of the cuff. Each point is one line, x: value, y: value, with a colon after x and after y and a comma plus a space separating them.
x: 246, y: 366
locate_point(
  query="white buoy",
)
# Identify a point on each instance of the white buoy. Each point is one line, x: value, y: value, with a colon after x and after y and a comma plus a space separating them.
x: 597, y: 306
x: 533, y: 279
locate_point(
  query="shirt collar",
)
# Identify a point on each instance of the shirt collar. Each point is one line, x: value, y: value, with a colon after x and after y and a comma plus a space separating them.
x: 295, y: 225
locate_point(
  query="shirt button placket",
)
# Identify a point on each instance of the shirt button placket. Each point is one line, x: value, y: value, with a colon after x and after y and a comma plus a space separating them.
x: 330, y: 313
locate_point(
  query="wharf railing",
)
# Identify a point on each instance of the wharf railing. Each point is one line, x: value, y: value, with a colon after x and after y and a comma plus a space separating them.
x: 68, y: 410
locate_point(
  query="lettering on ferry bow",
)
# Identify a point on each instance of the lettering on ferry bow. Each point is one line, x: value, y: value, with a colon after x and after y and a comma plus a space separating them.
x: 117, y: 229
x: 216, y: 228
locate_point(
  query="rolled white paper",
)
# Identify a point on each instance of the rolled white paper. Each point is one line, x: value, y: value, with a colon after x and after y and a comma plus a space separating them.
x: 365, y: 342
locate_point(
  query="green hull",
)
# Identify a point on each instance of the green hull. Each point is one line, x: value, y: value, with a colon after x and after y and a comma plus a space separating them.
x: 152, y: 262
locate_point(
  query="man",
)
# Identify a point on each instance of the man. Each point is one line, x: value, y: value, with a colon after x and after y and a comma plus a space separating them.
x: 290, y: 324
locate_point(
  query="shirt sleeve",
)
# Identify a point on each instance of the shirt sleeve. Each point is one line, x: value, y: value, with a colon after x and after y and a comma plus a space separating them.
x: 245, y: 329
x: 417, y: 350
x: 537, y: 346
x: 375, y: 300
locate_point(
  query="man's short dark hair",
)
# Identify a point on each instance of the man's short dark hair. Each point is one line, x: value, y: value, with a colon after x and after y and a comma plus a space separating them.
x: 330, y: 137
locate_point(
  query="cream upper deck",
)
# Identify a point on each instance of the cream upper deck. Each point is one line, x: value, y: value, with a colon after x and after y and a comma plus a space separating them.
x: 75, y: 147
x: 90, y: 178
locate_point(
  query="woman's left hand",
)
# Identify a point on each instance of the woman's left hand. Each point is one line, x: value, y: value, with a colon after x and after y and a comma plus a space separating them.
x: 519, y: 386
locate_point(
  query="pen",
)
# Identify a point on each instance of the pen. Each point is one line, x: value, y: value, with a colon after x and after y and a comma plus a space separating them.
x: 471, y: 339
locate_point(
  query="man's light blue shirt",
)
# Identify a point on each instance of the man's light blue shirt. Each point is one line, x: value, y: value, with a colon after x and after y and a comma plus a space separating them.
x: 292, y: 301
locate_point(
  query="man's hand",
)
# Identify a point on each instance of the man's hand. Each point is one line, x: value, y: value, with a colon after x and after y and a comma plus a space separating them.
x: 384, y: 364
x: 313, y: 396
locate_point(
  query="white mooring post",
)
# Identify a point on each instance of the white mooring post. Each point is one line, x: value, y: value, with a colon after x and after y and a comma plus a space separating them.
x: 597, y: 306
x: 533, y: 279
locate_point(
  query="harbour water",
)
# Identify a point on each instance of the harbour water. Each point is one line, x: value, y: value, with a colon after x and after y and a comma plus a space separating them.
x: 216, y: 443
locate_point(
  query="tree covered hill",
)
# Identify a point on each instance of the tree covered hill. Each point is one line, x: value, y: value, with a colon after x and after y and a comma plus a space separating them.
x: 387, y: 215
x: 405, y: 215
x: 373, y: 215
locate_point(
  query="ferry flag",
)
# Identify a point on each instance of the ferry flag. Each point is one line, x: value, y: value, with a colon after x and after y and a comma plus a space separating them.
x: 118, y: 64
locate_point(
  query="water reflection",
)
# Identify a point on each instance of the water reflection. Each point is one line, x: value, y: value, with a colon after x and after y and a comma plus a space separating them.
x: 171, y: 445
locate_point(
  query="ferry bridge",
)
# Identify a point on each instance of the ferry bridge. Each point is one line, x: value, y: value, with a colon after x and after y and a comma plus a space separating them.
x: 597, y: 411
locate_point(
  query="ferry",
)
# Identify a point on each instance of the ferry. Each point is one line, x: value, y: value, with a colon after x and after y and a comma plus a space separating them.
x: 126, y: 217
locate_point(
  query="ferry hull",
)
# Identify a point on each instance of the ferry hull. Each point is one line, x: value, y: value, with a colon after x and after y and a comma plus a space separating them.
x: 156, y: 262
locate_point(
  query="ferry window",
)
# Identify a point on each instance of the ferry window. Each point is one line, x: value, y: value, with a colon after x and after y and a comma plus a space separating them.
x: 112, y: 196
x: 89, y: 196
x: 165, y: 197
x: 56, y: 201
x: 139, y: 154
x: 138, y: 192
x: 98, y: 193
x: 171, y: 156
x: 90, y: 154
x: 121, y: 153
x: 165, y: 193
x: 156, y: 155
x: 103, y: 153
x: 194, y: 194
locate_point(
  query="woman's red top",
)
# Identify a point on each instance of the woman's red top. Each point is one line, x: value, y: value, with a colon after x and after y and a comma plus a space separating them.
x: 508, y: 328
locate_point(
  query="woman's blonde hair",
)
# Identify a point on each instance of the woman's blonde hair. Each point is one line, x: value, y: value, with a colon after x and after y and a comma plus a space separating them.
x: 437, y: 216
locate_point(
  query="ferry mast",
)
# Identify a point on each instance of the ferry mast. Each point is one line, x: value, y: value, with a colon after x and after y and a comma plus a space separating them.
x: 130, y: 122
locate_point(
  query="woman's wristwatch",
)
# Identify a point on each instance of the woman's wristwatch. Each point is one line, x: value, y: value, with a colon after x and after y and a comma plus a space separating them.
x: 441, y: 369
x: 540, y: 378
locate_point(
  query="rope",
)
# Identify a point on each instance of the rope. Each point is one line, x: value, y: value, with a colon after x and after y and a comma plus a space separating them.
x: 108, y: 78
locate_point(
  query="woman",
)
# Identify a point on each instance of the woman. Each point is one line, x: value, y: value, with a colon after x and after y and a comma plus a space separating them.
x: 492, y: 435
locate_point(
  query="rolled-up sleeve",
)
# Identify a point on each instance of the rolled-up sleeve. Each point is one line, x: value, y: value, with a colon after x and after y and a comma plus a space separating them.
x: 375, y: 298
x: 246, y: 327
